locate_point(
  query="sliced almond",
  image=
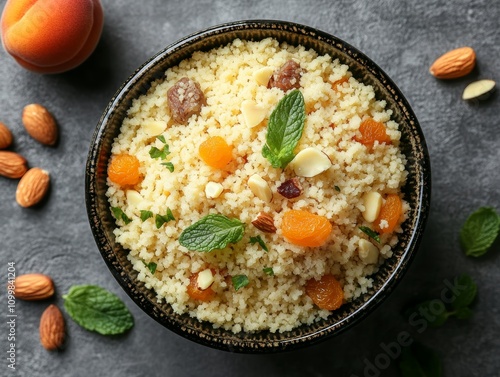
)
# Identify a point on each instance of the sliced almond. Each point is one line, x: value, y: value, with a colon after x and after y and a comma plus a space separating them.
x: 12, y: 165
x: 133, y: 198
x: 154, y: 127
x: 263, y: 75
x: 368, y: 252
x: 264, y: 222
x: 479, y: 89
x: 32, y: 187
x: 40, y: 124
x: 213, y: 190
x: 373, y: 203
x: 5, y: 136
x: 205, y: 279
x: 260, y: 188
x: 252, y: 113
x: 310, y: 162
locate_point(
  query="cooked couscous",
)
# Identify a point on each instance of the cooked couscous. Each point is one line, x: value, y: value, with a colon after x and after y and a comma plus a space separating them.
x: 292, y: 233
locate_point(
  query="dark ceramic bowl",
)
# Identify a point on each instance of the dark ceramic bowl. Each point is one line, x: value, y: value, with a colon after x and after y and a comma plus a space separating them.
x: 416, y: 190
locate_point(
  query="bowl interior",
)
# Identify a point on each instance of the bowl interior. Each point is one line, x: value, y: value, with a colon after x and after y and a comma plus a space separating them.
x: 416, y: 190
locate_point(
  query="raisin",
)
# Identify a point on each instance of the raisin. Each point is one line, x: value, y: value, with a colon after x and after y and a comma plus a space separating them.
x: 287, y: 77
x: 185, y: 99
x: 291, y: 188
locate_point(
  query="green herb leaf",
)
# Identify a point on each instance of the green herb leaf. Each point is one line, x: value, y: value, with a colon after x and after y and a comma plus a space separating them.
x: 212, y: 232
x: 240, y: 281
x: 480, y: 231
x: 96, y: 309
x: 284, y: 129
x: 435, y: 320
x: 120, y: 215
x: 151, y: 266
x: 370, y: 233
x: 468, y: 291
x: 337, y: 188
x: 260, y: 241
x: 463, y: 313
x: 419, y: 361
x: 159, y: 153
x: 162, y: 219
x: 162, y: 139
x: 169, y: 166
x: 146, y: 215
x: 268, y: 271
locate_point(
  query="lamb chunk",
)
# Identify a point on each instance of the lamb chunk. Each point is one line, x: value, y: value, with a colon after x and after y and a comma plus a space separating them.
x: 185, y: 99
x: 287, y: 77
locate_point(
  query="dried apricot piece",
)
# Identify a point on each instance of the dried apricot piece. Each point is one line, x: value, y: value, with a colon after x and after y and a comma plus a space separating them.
x: 216, y: 152
x: 389, y: 215
x: 326, y: 293
x: 303, y: 228
x: 196, y: 293
x: 124, y: 170
x: 372, y: 131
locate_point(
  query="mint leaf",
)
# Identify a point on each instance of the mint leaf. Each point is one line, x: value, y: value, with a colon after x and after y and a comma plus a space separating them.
x: 96, y: 309
x: 212, y: 232
x: 370, y: 233
x: 162, y: 139
x: 268, y: 271
x: 169, y: 166
x: 464, y: 313
x: 260, y: 241
x: 480, y: 231
x: 162, y: 219
x: 435, y: 320
x: 146, y: 215
x: 420, y: 361
x: 468, y: 291
x: 240, y: 281
x: 284, y: 129
x: 159, y: 153
x: 120, y: 215
x: 151, y: 266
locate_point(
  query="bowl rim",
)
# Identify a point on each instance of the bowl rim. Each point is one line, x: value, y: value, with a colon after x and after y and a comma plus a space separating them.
x: 246, y: 346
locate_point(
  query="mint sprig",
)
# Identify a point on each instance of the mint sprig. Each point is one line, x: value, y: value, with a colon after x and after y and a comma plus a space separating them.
x: 480, y: 231
x: 212, y: 232
x: 96, y: 309
x: 284, y: 129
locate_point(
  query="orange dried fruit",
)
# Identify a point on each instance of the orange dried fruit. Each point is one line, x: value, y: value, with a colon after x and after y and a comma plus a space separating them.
x: 196, y: 293
x: 326, y: 293
x: 124, y: 170
x: 372, y: 131
x: 341, y: 81
x: 303, y: 228
x: 215, y: 152
x: 390, y: 213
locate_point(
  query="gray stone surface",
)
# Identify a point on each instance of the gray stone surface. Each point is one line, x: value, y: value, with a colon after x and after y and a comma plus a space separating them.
x: 403, y: 37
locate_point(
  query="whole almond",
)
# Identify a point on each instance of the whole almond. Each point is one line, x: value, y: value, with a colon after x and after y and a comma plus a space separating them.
x: 453, y: 64
x: 5, y: 136
x: 52, y: 328
x: 40, y: 124
x: 32, y: 287
x: 12, y: 165
x: 32, y: 187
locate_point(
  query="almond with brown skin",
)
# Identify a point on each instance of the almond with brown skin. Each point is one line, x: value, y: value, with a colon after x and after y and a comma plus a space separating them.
x: 40, y: 124
x: 264, y: 222
x: 32, y: 187
x: 453, y: 64
x: 5, y: 136
x: 33, y: 287
x: 12, y: 165
x: 52, y: 328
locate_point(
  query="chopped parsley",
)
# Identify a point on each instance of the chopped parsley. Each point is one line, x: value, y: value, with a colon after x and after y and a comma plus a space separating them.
x: 151, y: 266
x: 240, y: 281
x: 268, y: 271
x: 260, y: 241
x: 120, y: 215
x: 162, y: 153
x: 162, y: 219
x: 146, y: 215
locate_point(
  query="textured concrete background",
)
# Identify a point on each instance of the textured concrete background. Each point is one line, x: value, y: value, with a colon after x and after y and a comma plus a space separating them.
x: 403, y: 37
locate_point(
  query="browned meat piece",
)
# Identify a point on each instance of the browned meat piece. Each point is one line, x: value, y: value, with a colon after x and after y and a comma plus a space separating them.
x: 184, y: 99
x: 287, y: 77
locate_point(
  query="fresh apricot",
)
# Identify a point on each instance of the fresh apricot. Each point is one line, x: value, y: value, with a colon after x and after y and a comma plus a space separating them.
x: 372, y: 131
x: 196, y: 293
x: 216, y: 152
x: 390, y: 214
x: 124, y: 170
x: 304, y: 228
x: 51, y: 36
x: 326, y: 293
